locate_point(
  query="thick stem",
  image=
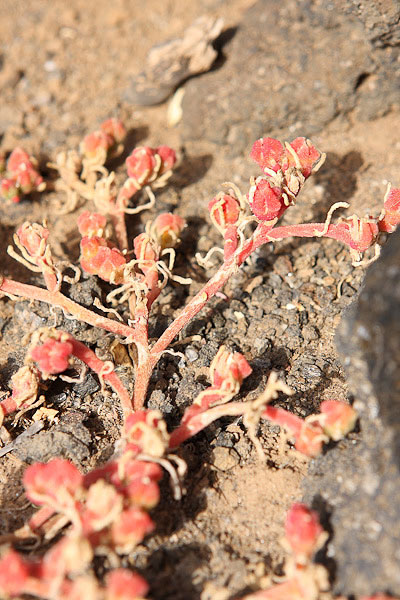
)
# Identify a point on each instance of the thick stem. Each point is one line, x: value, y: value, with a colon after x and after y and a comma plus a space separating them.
x: 337, y: 231
x: 203, y: 419
x: 142, y: 378
x: 32, y: 292
x: 87, y: 356
x: 118, y: 221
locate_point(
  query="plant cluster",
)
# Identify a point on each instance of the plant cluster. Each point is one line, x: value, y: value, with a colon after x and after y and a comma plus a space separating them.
x: 304, y: 579
x: 106, y: 512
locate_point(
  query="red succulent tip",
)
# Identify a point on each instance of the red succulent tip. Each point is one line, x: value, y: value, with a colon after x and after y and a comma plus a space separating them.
x: 33, y: 237
x: 168, y: 158
x: 91, y: 224
x: 52, y: 356
x: 303, y: 532
x: 224, y: 210
x: 142, y: 165
x: 114, y: 128
x: 266, y: 201
x: 271, y: 155
x: 99, y: 259
x: 9, y: 189
x: 58, y: 480
x: 391, y: 211
x: 14, y: 573
x: 166, y: 229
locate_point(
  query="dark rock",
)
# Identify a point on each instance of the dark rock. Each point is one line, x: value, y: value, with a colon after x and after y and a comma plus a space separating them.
x: 292, y: 68
x: 380, y: 19
x: 359, y: 479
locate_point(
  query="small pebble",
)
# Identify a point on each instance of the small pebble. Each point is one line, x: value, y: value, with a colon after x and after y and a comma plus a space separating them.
x: 191, y: 354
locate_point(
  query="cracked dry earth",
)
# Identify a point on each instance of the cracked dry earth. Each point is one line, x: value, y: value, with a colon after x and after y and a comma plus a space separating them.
x: 64, y: 67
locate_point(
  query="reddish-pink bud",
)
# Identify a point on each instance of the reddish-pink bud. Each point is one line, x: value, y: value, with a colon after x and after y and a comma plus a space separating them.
x: 303, y: 531
x: 33, y: 237
x: 14, y: 573
x: 52, y: 356
x: 95, y: 146
x: 310, y: 439
x: 143, y: 493
x: 268, y: 153
x: 391, y: 216
x: 130, y: 529
x: 224, y: 210
x: 24, y: 182
x: 23, y: 172
x: 18, y: 160
x: 114, y: 128
x: 166, y: 229
x: 57, y: 480
x: 91, y: 224
x: 122, y: 584
x: 362, y: 231
x: 145, y: 250
x: 141, y: 164
x: 266, y: 202
x: 307, y: 154
x: 168, y: 158
x: 338, y: 420
x: 99, y: 259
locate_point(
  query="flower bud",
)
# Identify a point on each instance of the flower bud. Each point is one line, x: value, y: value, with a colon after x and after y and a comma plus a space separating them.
x: 142, y: 164
x: 391, y: 216
x: 95, y: 146
x: 52, y: 356
x: 268, y: 153
x: 33, y: 237
x: 99, y: 259
x: 224, y: 210
x: 14, y: 573
x: 9, y: 190
x: 168, y: 158
x: 307, y: 155
x: 91, y: 224
x: 114, y: 128
x: 166, y: 229
x: 266, y: 202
